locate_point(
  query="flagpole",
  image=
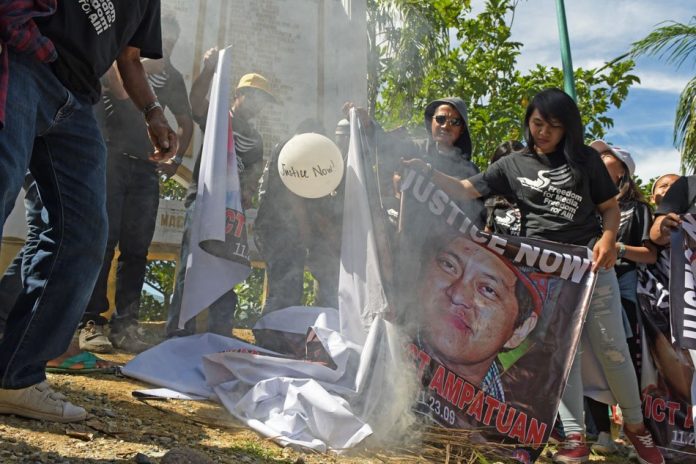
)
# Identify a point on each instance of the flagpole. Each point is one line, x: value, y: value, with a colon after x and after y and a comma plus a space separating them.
x: 568, y: 81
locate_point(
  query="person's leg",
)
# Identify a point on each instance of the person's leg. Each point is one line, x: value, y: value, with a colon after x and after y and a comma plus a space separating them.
x: 68, y: 166
x: 117, y: 180
x: 221, y: 314
x: 324, y: 263
x: 12, y: 280
x: 138, y: 219
x: 172, y: 326
x: 606, y: 333
x: 284, y: 272
x: 628, y: 284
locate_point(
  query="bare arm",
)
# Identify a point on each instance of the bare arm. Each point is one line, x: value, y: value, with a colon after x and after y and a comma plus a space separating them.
x: 661, y: 229
x: 162, y: 136
x: 185, y: 133
x: 456, y: 189
x: 646, y: 254
x: 199, y: 88
x: 604, y: 251
x: 115, y: 83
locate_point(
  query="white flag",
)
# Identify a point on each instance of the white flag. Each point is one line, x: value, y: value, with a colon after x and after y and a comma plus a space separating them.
x: 218, y: 221
x: 361, y: 295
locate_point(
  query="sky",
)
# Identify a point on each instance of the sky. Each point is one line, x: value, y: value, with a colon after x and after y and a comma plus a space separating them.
x: 599, y: 31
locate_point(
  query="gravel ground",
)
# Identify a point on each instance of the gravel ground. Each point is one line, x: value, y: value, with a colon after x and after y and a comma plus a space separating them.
x: 124, y: 429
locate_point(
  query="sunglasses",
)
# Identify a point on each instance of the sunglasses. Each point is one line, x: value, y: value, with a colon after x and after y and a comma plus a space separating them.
x: 442, y: 120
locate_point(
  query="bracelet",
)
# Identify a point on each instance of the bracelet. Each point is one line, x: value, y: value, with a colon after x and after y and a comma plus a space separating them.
x: 622, y: 250
x: 151, y: 106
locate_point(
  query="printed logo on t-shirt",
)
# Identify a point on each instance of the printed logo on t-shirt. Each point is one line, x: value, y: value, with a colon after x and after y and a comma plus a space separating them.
x: 557, y: 177
x: 510, y: 222
x: 625, y: 217
x: 101, y: 13
x: 561, y: 201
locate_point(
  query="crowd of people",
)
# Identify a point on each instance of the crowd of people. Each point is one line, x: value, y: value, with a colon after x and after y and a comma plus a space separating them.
x: 86, y: 195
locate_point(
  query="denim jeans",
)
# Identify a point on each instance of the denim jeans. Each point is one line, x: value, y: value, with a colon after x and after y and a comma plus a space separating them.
x: 54, y: 134
x: 605, y: 330
x: 12, y: 281
x: 132, y: 198
x: 220, y: 313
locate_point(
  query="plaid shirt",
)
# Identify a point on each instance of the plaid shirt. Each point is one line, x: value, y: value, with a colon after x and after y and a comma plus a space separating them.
x: 19, y: 32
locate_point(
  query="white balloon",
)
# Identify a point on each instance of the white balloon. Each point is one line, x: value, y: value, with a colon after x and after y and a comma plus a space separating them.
x: 310, y: 165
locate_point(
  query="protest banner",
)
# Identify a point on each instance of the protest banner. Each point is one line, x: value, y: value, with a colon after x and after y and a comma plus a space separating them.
x: 495, y: 320
x: 666, y: 298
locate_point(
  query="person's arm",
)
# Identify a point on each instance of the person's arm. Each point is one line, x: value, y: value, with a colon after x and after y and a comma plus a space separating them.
x: 604, y: 251
x: 199, y: 89
x: 456, y: 189
x: 250, y: 182
x: 162, y: 136
x: 115, y: 84
x: 675, y: 202
x: 661, y: 230
x: 645, y: 254
x: 185, y: 132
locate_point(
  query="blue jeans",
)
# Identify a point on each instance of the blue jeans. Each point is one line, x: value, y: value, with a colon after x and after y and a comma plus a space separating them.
x: 605, y: 330
x: 132, y: 198
x: 54, y: 134
x: 12, y: 280
x: 220, y: 313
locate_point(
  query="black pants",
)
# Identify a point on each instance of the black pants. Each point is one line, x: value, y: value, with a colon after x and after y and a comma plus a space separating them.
x: 132, y: 198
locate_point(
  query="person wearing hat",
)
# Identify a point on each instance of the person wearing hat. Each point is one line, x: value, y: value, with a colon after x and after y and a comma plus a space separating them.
x: 661, y: 186
x: 252, y: 95
x: 633, y: 247
x: 680, y: 199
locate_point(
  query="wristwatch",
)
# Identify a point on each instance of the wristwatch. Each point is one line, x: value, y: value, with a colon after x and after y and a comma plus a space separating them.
x: 151, y: 106
x: 622, y: 250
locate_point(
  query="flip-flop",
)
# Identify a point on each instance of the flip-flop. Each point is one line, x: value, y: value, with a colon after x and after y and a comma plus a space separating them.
x: 89, y: 365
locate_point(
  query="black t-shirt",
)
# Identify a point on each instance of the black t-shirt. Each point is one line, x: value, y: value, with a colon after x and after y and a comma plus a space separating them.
x: 552, y: 207
x: 680, y: 198
x: 125, y: 130
x: 503, y: 217
x: 89, y: 36
x: 248, y: 146
x: 634, y: 230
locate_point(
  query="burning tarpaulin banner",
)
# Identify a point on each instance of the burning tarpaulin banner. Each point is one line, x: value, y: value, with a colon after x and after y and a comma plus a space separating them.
x: 494, y: 320
x: 219, y: 257
x: 340, y: 391
x: 666, y: 299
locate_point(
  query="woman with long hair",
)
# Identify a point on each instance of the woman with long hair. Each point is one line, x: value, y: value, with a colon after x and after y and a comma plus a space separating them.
x: 561, y: 186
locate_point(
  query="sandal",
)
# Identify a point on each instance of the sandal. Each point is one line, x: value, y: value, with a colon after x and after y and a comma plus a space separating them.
x: 82, y: 363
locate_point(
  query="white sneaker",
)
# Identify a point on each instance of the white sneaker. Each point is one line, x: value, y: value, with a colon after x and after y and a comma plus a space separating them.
x: 41, y: 402
x: 92, y: 338
x: 604, y: 445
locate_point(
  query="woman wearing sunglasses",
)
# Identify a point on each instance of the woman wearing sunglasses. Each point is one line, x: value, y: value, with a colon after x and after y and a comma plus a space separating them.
x: 560, y: 185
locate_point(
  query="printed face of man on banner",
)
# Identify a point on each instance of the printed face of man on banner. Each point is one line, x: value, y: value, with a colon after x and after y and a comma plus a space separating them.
x: 474, y: 305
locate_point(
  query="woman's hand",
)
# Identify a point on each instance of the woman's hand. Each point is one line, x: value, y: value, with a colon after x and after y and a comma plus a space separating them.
x: 604, y: 253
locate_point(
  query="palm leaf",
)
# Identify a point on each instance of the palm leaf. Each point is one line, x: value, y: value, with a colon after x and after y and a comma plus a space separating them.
x: 675, y: 42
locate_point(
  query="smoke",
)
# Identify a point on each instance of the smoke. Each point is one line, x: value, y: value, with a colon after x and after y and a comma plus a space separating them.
x: 314, y: 54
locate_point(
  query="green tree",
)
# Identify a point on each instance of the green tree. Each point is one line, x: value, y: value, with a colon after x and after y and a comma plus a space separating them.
x: 159, y: 275
x: 676, y: 44
x: 476, y: 60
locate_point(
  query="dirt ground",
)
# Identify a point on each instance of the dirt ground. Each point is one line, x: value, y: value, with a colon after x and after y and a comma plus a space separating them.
x: 122, y: 428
